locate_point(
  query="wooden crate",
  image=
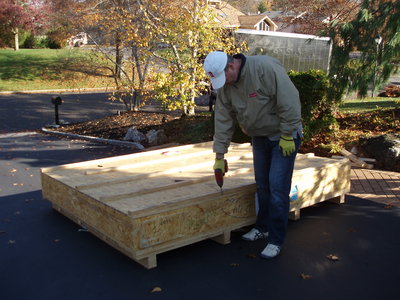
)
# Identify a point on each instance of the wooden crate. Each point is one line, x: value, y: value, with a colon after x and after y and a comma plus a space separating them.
x: 150, y: 202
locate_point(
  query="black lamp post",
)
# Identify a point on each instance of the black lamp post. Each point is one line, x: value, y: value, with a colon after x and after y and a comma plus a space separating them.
x: 378, y: 41
x: 56, y: 100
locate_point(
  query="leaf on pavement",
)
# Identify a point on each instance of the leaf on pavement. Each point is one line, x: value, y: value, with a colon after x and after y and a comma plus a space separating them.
x: 251, y: 255
x: 156, y: 289
x: 13, y: 170
x: 305, y: 276
x: 235, y: 265
x: 332, y: 257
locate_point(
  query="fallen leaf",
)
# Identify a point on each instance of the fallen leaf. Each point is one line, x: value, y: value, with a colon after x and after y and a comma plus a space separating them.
x: 235, y: 265
x: 388, y: 206
x: 156, y: 289
x: 57, y: 240
x: 332, y: 257
x: 305, y: 276
x: 13, y: 170
x: 251, y: 255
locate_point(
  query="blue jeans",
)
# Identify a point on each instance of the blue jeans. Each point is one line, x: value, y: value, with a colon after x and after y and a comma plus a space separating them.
x: 273, y: 175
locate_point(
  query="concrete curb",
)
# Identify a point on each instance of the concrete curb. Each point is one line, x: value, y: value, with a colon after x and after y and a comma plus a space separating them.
x: 72, y: 91
x: 93, y: 139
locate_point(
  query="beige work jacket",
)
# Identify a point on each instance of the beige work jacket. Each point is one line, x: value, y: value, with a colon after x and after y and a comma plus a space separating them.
x: 264, y: 101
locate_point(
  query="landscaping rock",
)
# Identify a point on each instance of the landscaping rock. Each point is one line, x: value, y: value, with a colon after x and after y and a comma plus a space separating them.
x: 156, y: 137
x: 137, y: 146
x: 385, y: 149
x: 134, y: 135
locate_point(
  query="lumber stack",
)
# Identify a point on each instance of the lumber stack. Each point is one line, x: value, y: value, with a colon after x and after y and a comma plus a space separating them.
x: 150, y: 202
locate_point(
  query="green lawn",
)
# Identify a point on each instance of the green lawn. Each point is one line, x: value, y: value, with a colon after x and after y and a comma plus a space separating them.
x: 42, y: 69
x: 369, y: 104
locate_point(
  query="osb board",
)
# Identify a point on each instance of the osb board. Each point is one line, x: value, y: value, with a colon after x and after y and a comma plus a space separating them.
x: 218, y: 212
x: 150, y: 202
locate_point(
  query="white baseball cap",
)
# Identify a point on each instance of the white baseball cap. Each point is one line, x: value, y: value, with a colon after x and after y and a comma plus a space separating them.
x: 214, y: 65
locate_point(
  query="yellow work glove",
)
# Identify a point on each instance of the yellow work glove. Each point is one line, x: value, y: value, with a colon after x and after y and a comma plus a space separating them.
x: 286, y: 144
x: 221, y: 164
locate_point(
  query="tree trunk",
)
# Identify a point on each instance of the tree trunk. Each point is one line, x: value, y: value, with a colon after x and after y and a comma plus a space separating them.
x: 16, y: 39
x: 118, y: 56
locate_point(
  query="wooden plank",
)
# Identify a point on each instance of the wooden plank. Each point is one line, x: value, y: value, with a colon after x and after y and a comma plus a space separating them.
x: 163, y: 188
x: 364, y: 159
x: 355, y: 159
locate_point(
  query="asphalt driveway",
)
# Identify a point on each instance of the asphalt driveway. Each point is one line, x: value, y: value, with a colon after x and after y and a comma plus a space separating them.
x: 44, y: 255
x: 34, y: 111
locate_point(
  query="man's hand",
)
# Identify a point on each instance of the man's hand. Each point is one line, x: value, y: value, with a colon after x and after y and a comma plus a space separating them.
x: 286, y: 143
x: 221, y: 164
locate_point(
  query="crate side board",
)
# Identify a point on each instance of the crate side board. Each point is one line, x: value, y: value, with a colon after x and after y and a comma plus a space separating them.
x: 318, y: 185
x: 108, y: 221
x: 198, y: 217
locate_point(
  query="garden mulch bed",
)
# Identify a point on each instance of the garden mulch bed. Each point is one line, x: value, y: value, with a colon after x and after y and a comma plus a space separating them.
x: 199, y: 128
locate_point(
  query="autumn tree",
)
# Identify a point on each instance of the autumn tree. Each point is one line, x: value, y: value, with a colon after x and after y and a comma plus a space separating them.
x: 245, y: 6
x: 374, y: 33
x: 30, y: 15
x: 188, y: 32
x: 313, y: 16
x: 134, y: 51
x: 264, y: 5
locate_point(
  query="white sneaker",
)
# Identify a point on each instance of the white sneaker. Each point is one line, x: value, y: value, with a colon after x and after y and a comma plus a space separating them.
x: 254, y: 235
x: 270, y: 251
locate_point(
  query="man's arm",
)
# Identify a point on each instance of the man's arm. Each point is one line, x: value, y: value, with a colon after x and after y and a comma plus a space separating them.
x: 224, y: 125
x: 287, y: 98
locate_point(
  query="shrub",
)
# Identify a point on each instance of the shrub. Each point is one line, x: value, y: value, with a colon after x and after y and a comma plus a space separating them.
x: 35, y: 42
x: 316, y: 108
x: 57, y: 38
x: 29, y: 42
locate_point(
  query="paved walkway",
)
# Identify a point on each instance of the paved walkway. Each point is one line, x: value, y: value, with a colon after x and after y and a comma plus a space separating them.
x: 376, y: 185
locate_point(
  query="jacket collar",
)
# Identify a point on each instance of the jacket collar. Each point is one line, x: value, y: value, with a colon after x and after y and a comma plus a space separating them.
x: 243, y: 59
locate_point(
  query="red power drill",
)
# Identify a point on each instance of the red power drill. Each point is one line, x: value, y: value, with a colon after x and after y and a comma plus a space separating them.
x: 219, y: 175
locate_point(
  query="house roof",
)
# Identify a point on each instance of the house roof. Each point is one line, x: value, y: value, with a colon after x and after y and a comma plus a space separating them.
x: 248, y: 22
x: 227, y: 15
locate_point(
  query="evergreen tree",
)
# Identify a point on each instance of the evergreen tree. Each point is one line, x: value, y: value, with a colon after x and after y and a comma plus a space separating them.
x: 375, y: 33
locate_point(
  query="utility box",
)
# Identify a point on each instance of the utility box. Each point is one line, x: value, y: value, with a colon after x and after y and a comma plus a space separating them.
x: 151, y: 202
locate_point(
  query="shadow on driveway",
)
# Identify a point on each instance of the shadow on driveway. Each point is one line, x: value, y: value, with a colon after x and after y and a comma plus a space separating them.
x: 44, y: 255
